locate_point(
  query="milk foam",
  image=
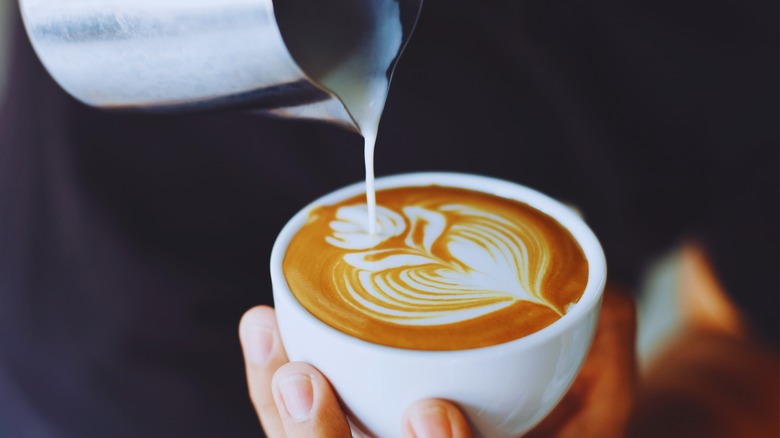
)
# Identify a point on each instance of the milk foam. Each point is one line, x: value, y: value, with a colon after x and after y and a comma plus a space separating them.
x: 456, y: 263
x: 350, y: 229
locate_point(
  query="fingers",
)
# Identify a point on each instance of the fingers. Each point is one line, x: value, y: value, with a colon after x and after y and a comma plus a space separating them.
x: 435, y: 419
x: 307, y: 405
x: 295, y: 400
x: 291, y: 399
x: 263, y: 355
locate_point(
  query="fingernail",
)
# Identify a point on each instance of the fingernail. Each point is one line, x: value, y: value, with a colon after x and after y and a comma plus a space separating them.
x: 259, y: 343
x: 431, y: 422
x: 298, y: 395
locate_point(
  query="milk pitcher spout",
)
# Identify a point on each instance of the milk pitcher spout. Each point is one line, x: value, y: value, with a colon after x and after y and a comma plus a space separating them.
x: 291, y: 58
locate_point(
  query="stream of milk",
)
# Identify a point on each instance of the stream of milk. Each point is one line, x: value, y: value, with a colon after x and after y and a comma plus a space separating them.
x: 349, y: 46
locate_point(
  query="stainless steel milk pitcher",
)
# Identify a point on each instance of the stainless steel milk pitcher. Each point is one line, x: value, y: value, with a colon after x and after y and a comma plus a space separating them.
x: 189, y: 55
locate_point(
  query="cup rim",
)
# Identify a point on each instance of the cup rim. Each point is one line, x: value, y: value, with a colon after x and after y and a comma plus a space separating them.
x: 564, y: 215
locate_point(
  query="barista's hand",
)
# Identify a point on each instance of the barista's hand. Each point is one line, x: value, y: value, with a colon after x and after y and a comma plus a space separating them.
x: 295, y: 400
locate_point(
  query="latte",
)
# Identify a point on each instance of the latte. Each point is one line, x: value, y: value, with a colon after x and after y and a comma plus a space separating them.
x: 446, y: 268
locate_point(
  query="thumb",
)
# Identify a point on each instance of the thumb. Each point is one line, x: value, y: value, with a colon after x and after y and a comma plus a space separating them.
x: 307, y: 404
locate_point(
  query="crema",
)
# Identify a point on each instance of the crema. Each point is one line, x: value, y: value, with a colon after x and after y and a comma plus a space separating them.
x: 445, y: 268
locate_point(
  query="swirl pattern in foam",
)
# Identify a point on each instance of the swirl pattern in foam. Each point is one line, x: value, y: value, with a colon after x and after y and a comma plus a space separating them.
x: 457, y: 263
x: 446, y: 269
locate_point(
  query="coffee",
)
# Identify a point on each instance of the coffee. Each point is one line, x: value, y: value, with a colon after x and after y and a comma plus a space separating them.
x: 446, y: 269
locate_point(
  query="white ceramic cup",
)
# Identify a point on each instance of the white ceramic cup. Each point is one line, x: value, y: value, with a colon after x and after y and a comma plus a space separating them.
x: 503, y: 390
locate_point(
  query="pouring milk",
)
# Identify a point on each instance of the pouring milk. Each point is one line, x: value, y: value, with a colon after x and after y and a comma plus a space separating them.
x: 350, y: 47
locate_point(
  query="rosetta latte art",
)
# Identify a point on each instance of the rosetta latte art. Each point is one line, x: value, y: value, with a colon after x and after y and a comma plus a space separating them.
x: 456, y: 263
x: 446, y: 268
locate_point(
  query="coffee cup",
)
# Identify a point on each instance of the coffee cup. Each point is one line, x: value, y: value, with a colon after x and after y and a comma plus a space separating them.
x: 503, y: 389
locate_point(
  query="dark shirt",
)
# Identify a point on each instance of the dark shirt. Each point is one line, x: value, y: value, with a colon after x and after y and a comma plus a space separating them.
x: 131, y: 244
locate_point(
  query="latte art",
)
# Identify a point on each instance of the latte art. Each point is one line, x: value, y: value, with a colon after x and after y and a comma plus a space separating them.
x: 445, y: 268
x: 350, y: 230
x: 457, y: 263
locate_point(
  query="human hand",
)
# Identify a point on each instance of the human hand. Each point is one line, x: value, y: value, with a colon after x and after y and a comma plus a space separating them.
x: 293, y: 399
